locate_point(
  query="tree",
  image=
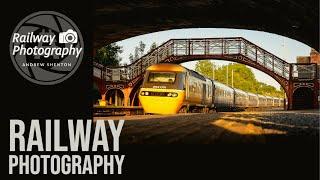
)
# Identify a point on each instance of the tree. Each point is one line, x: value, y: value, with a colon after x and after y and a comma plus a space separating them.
x: 205, y: 67
x: 141, y: 48
x: 136, y: 54
x: 153, y: 46
x: 243, y: 78
x: 109, y: 55
x: 131, y: 58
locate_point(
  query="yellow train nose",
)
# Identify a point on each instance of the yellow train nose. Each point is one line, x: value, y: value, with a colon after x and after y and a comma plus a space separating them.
x: 161, y: 101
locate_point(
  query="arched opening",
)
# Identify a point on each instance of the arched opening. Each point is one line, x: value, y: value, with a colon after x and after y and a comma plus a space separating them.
x: 219, y: 62
x: 302, y: 98
x: 134, y: 95
x: 193, y: 45
x: 242, y: 75
x: 135, y: 98
x: 115, y: 97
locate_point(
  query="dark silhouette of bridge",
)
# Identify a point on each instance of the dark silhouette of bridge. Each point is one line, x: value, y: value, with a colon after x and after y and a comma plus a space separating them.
x: 122, y: 19
x: 299, y: 81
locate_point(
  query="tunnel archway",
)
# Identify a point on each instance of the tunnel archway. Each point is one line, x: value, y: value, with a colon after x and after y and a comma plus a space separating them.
x: 115, y: 97
x: 303, y: 98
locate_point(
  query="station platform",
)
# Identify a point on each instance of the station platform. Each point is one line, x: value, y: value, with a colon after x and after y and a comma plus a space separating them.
x: 100, y: 111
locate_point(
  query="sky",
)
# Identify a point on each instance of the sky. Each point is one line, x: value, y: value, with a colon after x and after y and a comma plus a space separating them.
x: 283, y: 47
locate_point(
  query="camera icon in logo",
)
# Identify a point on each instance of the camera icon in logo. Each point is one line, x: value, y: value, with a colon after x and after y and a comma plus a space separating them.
x: 69, y: 36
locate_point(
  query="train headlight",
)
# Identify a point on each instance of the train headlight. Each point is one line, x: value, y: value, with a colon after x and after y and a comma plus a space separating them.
x: 142, y: 93
x: 146, y: 93
x: 174, y: 94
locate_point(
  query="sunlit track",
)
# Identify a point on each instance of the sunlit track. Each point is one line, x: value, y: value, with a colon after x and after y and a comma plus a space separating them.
x: 224, y: 127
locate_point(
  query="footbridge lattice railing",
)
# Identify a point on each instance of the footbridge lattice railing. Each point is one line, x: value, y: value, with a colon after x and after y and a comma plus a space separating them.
x: 207, y: 47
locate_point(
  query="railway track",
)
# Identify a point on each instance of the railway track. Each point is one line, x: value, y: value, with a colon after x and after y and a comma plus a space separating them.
x: 222, y: 127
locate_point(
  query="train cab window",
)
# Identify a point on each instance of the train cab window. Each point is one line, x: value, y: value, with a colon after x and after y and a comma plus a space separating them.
x: 162, y: 77
x: 181, y: 78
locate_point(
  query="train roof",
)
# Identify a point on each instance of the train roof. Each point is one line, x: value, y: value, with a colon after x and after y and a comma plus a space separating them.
x: 223, y: 86
x: 239, y: 91
x: 252, y: 94
x: 174, y: 67
x: 259, y: 95
x: 166, y: 67
x: 197, y: 75
x: 269, y: 97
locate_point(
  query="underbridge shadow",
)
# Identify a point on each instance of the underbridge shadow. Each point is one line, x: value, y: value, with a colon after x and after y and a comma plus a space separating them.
x: 223, y: 128
x: 263, y: 145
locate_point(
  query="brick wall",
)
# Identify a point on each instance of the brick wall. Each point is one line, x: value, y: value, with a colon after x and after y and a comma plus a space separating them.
x: 314, y: 57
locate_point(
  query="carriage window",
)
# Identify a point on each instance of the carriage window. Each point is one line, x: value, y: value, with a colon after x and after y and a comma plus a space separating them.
x: 164, y: 77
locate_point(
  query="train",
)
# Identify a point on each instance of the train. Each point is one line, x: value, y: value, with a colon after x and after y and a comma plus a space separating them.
x: 171, y: 89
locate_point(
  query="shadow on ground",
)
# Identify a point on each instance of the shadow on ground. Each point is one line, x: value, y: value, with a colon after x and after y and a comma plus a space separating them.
x: 223, y: 128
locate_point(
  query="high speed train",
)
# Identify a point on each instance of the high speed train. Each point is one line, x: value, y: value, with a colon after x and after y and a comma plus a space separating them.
x: 171, y: 88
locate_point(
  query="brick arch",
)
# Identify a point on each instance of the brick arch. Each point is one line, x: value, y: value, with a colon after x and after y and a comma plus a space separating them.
x: 135, y: 90
x: 303, y: 97
x: 110, y: 93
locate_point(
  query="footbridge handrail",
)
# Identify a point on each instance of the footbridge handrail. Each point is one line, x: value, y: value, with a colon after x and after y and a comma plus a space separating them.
x: 200, y: 48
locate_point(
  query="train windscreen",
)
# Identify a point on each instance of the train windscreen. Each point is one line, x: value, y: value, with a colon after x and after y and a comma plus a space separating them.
x: 162, y: 77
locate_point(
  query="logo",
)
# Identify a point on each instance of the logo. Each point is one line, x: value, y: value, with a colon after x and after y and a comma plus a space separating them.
x: 159, y: 87
x: 68, y: 37
x: 46, y: 47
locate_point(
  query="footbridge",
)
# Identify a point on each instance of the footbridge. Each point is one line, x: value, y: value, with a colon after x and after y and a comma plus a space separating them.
x: 300, y: 81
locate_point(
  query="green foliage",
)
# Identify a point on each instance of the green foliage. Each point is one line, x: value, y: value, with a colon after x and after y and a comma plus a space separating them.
x: 243, y: 77
x: 139, y: 51
x: 205, y: 67
x: 131, y: 58
x: 153, y: 46
x: 141, y: 46
x: 109, y: 55
x: 136, y: 54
